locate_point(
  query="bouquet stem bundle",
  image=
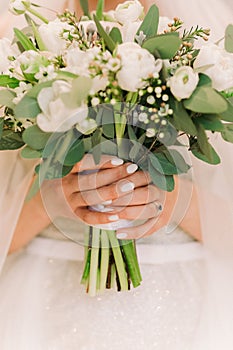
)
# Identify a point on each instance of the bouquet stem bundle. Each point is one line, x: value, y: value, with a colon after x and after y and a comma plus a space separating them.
x: 109, y: 262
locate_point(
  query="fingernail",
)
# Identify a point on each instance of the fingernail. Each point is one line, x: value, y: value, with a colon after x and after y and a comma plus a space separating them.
x: 97, y: 207
x: 106, y: 210
x: 121, y: 235
x: 107, y: 202
x: 127, y: 186
x: 131, y: 168
x: 117, y: 161
x: 113, y: 218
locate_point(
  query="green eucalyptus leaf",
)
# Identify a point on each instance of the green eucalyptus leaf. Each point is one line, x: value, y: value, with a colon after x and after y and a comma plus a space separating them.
x: 164, y: 182
x: 131, y: 133
x: 166, y: 45
x: 96, y: 145
x: 227, y: 133
x: 206, y: 100
x: 212, y: 159
x: 75, y: 153
x: 107, y: 39
x: 150, y: 23
x: 30, y: 153
x: 108, y: 122
x: 24, y: 40
x: 210, y: 122
x: 115, y: 35
x: 35, y: 138
x: 229, y: 38
x: 10, y: 140
x: 27, y: 108
x: 228, y: 114
x: 162, y: 165
x: 38, y: 87
x: 6, y: 98
x: 175, y: 157
x: 108, y: 147
x: 181, y: 119
x: 204, y: 80
x: 7, y: 81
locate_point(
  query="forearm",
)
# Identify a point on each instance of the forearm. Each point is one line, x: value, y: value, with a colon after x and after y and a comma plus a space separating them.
x: 33, y: 219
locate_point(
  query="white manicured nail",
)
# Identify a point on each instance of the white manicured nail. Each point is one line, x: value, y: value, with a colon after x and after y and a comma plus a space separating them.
x: 117, y: 161
x: 113, y: 218
x: 107, y: 202
x: 121, y: 235
x: 131, y: 168
x: 127, y: 186
x: 97, y: 207
x: 107, y: 210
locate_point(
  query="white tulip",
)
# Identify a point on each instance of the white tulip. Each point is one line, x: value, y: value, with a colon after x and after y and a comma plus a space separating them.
x: 55, y: 115
x: 217, y: 63
x: 128, y: 11
x: 183, y: 82
x: 137, y: 65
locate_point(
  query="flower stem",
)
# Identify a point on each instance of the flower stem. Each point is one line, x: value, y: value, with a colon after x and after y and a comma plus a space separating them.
x: 94, y: 261
x: 128, y: 248
x: 119, y: 262
x: 37, y: 14
x: 104, y: 262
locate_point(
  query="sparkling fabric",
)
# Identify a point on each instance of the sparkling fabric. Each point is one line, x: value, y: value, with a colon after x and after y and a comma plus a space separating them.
x: 46, y: 305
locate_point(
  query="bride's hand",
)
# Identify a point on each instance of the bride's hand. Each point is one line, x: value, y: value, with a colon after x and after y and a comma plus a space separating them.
x: 89, y: 190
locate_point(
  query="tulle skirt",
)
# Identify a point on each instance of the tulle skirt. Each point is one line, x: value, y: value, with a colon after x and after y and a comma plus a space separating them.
x: 44, y: 307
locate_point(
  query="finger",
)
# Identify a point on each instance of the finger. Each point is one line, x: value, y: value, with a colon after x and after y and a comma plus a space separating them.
x: 138, y: 212
x: 104, y: 177
x: 95, y: 218
x: 102, y: 194
x: 144, y: 230
x: 88, y: 163
x: 141, y: 195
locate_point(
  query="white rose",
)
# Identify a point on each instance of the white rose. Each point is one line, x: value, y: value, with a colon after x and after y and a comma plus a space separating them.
x: 183, y: 82
x: 217, y: 64
x: 55, y: 114
x: 6, y: 50
x: 51, y: 35
x: 128, y: 11
x: 18, y: 7
x: 137, y: 64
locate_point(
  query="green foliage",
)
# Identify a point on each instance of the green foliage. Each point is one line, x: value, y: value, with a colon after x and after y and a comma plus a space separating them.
x: 210, y: 122
x: 164, y: 46
x: 10, y: 140
x: 228, y: 114
x: 80, y: 89
x: 206, y: 100
x: 150, y: 23
x: 40, y: 43
x: 24, y: 40
x: 35, y: 138
x: 164, y: 182
x: 7, y: 81
x: 227, y: 133
x: 30, y: 153
x: 27, y: 108
x: 181, y: 119
x: 111, y: 45
x: 6, y: 98
x: 85, y: 7
x: 75, y: 153
x: 100, y: 9
x: 211, y: 158
x: 229, y: 38
x: 115, y: 35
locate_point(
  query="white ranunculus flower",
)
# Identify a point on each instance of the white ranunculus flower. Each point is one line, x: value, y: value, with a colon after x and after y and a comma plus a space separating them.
x: 17, y: 7
x: 183, y: 82
x: 51, y: 35
x: 6, y: 50
x: 128, y: 11
x: 217, y: 63
x: 55, y: 115
x: 137, y: 64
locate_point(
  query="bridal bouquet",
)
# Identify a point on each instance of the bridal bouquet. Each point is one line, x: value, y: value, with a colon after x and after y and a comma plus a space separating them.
x: 122, y: 83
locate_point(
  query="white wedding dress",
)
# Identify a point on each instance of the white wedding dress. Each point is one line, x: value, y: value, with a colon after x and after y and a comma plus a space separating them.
x: 184, y: 303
